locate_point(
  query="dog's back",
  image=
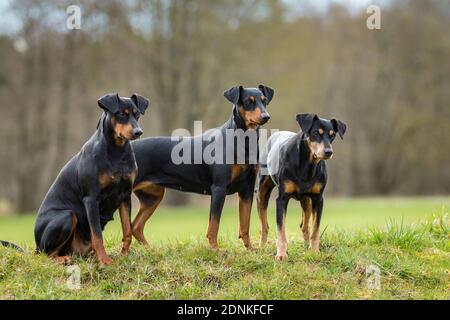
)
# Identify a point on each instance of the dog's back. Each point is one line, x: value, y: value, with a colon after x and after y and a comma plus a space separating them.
x: 271, y: 156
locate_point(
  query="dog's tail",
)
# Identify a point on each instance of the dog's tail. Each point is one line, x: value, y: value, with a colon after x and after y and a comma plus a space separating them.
x: 11, y: 245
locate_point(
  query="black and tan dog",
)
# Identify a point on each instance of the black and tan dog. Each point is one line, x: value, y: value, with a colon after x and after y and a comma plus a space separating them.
x: 295, y: 163
x: 158, y: 171
x: 93, y: 185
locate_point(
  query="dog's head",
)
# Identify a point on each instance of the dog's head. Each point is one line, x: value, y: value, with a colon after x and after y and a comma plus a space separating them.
x: 320, y: 134
x: 123, y: 115
x: 251, y: 104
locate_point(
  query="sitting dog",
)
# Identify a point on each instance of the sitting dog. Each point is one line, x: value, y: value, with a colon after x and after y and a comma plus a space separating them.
x: 295, y: 163
x: 93, y: 185
x: 158, y: 171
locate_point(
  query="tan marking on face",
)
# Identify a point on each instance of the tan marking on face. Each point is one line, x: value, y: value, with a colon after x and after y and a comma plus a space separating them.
x: 263, y: 98
x: 317, y: 150
x: 331, y: 132
x: 290, y: 187
x: 252, y: 99
x: 124, y: 130
x: 251, y: 118
x: 126, y: 111
x: 316, y: 188
x: 320, y: 131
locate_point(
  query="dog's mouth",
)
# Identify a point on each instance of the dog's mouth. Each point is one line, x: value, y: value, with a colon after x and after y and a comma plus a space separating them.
x: 126, y: 138
x: 324, y: 157
x: 254, y: 124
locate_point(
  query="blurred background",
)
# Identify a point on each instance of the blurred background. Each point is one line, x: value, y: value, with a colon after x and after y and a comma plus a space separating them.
x: 391, y: 86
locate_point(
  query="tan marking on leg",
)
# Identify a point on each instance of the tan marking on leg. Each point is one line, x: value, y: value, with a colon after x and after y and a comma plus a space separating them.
x: 146, y: 210
x: 315, y: 235
x: 64, y: 260
x: 99, y: 248
x: 237, y: 170
x: 245, y: 209
x: 282, y: 242
x: 306, y: 214
x: 262, y: 209
x: 213, y: 230
x: 290, y: 187
x: 124, y: 213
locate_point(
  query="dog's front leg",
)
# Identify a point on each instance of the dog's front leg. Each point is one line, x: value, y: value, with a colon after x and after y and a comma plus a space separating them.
x: 245, y: 210
x: 125, y: 217
x: 282, y: 202
x: 92, y: 210
x: 317, y: 206
x: 218, y: 194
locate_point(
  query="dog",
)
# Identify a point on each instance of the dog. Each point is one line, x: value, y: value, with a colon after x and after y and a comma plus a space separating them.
x: 157, y: 170
x: 93, y: 185
x: 295, y: 163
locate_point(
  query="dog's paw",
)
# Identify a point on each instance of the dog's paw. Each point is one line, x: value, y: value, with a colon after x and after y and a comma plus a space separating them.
x: 105, y: 260
x: 281, y: 257
x: 65, y: 260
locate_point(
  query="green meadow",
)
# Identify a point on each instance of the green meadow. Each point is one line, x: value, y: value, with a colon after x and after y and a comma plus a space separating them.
x: 406, y: 239
x: 180, y: 223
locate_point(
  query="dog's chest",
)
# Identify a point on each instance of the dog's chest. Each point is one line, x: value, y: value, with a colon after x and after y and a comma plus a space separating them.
x: 299, y: 189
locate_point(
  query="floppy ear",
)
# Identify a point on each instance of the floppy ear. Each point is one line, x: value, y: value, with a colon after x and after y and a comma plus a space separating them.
x: 339, y: 127
x: 109, y: 102
x: 233, y: 94
x: 268, y: 92
x: 305, y: 120
x: 140, y: 102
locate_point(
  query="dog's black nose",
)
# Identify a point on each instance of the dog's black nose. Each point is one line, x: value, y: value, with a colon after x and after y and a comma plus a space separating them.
x: 265, y: 117
x: 328, y: 152
x: 137, y: 132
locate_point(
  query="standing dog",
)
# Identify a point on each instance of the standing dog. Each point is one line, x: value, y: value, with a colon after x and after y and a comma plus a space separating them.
x: 158, y: 171
x: 296, y: 164
x: 93, y: 185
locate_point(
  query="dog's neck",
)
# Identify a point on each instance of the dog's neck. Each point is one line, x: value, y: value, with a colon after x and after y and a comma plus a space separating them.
x: 306, y: 167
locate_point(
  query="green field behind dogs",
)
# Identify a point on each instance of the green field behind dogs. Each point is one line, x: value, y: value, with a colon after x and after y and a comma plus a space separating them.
x: 169, y: 223
x: 406, y: 239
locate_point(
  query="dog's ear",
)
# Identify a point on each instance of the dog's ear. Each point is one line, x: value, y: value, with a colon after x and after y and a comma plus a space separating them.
x: 339, y: 127
x: 140, y: 102
x: 267, y: 91
x: 109, y: 102
x: 233, y: 94
x: 305, y: 120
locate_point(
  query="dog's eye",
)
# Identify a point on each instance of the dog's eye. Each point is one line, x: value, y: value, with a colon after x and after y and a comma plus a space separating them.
x: 123, y: 114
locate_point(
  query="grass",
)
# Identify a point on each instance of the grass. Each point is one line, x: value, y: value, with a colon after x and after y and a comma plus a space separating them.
x: 406, y: 239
